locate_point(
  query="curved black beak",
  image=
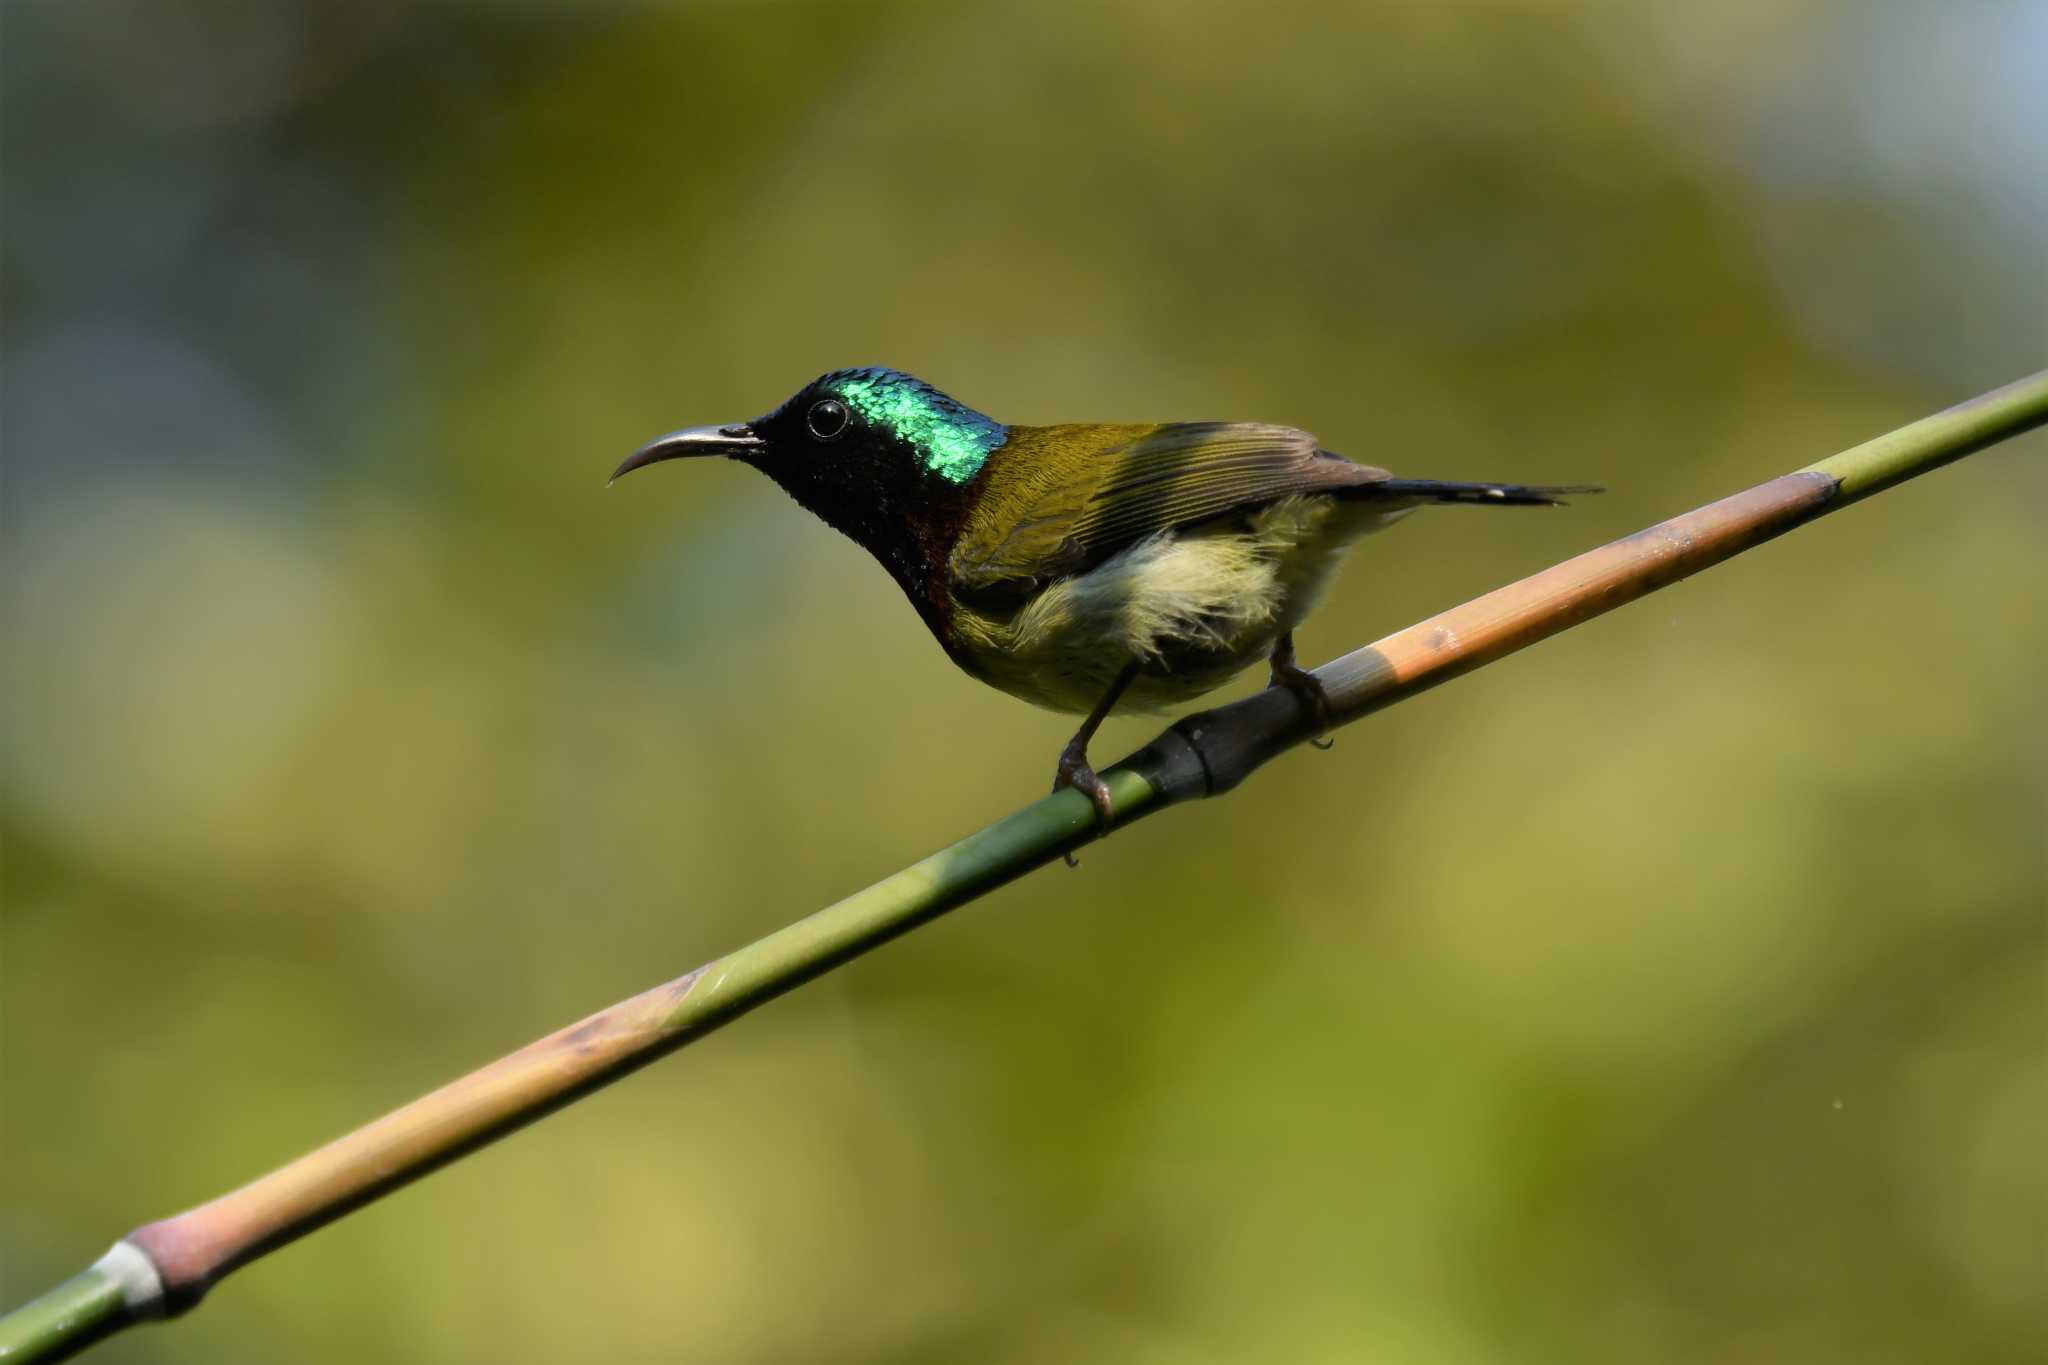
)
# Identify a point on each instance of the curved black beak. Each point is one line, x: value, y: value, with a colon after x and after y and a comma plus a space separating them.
x: 737, y: 439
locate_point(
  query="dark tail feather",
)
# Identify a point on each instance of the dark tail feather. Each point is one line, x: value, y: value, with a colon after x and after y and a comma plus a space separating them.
x: 1485, y: 494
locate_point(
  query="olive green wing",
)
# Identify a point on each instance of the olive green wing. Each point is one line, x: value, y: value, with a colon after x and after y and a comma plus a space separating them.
x: 1060, y: 500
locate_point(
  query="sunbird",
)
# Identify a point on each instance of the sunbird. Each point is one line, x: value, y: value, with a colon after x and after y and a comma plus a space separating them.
x: 1088, y: 568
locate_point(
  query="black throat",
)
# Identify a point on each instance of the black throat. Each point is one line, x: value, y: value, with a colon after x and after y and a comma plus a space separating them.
x: 905, y: 516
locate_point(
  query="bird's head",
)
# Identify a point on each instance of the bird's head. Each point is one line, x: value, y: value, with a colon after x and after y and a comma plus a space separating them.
x: 879, y: 455
x: 850, y: 445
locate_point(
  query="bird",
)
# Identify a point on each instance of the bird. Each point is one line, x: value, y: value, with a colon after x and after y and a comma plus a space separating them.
x: 1088, y: 568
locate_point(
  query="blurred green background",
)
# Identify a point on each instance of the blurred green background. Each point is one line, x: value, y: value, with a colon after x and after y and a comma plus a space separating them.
x: 1675, y: 992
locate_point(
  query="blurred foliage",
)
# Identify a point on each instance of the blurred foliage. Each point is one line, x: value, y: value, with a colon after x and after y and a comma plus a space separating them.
x: 1676, y: 992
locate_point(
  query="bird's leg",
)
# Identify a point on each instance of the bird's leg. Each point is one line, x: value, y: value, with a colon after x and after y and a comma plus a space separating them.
x: 1074, y: 770
x: 1302, y: 683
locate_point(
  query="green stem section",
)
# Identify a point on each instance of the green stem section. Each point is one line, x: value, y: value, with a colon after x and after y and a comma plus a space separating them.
x: 1935, y: 441
x: 169, y: 1264
x: 194, y: 1249
x: 970, y: 869
x: 65, y: 1320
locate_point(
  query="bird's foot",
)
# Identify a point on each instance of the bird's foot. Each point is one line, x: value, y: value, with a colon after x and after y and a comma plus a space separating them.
x: 1306, y: 687
x: 1074, y: 772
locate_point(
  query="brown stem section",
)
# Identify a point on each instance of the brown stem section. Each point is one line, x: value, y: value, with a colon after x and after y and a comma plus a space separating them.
x: 200, y: 1245
x: 1232, y: 741
x: 1511, y: 618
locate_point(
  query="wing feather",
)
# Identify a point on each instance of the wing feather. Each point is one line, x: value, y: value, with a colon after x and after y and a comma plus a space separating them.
x: 1060, y: 500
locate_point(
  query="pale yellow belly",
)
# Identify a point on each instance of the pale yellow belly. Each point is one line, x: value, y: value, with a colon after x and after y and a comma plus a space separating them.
x: 1193, y: 608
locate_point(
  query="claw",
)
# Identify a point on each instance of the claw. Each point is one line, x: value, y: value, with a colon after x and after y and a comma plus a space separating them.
x: 1074, y: 772
x: 1306, y: 687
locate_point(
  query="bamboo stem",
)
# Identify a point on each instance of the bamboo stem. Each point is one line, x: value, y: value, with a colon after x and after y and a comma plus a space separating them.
x: 168, y: 1265
x: 119, y: 1288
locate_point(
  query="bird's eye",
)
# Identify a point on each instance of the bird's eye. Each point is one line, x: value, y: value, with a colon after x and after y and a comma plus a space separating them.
x: 827, y: 418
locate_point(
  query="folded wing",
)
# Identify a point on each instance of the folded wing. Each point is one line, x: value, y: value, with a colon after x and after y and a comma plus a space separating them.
x: 1060, y: 500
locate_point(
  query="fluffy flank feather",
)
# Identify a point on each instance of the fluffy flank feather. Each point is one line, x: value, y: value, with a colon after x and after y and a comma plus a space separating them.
x: 1163, y: 592
x: 1194, y: 607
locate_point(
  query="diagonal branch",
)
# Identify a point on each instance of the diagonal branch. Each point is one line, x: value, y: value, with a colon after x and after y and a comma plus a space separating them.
x: 164, y: 1267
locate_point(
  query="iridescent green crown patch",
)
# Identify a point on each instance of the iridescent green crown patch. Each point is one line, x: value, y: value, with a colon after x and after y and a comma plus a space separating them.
x: 951, y: 439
